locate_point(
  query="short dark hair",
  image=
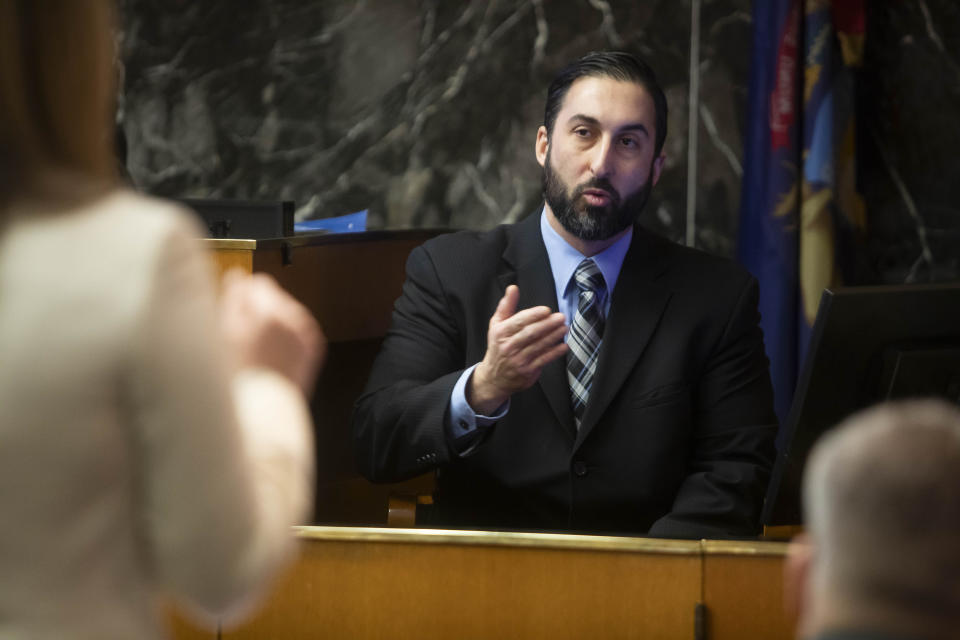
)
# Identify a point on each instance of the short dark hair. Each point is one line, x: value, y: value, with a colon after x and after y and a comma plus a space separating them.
x: 612, y: 64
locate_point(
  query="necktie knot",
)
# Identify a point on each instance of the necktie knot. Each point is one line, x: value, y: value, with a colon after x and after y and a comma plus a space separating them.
x: 589, y: 278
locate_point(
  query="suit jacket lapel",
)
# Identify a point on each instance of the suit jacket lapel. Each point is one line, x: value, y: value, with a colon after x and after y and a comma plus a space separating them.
x: 635, y: 310
x: 526, y: 264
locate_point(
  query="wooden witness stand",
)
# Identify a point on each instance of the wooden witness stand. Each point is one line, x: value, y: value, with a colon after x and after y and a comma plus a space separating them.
x: 419, y: 583
x: 374, y: 582
x: 349, y: 282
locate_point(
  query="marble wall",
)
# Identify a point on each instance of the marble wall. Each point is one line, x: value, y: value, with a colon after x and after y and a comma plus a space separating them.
x: 909, y: 109
x: 424, y: 112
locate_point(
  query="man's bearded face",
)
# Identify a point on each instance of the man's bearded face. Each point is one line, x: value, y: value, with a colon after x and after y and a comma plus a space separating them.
x: 586, y: 221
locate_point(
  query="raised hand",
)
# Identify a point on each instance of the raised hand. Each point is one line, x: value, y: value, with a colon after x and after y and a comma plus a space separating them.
x: 519, y: 345
x: 266, y: 327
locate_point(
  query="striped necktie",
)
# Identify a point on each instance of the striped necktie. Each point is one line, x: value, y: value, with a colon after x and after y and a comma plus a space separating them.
x: 586, y: 332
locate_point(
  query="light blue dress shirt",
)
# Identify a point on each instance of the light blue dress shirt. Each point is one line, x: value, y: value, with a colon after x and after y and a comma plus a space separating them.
x: 564, y: 259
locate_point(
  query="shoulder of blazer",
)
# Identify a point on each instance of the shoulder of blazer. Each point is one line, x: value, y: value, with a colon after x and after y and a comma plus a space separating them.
x: 682, y: 261
x: 475, y: 250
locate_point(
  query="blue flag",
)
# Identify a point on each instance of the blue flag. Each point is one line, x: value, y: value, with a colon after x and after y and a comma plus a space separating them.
x: 768, y: 241
x: 798, y: 183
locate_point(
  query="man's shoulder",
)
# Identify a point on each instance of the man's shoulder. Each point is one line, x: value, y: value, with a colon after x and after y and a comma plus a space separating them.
x: 466, y: 245
x: 683, y: 261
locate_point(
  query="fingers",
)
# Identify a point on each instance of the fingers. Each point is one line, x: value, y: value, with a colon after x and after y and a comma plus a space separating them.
x: 545, y: 348
x: 543, y: 331
x: 507, y: 321
x: 525, y: 318
x: 528, y: 332
x: 296, y: 323
x: 548, y: 356
x: 270, y: 300
x: 507, y: 305
x: 519, y: 344
x: 268, y: 328
x: 231, y: 290
x: 231, y: 277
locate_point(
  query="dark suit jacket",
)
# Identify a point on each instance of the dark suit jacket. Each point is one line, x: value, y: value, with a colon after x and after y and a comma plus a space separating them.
x: 677, y: 437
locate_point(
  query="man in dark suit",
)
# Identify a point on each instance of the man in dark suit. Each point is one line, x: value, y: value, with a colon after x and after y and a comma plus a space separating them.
x: 652, y: 415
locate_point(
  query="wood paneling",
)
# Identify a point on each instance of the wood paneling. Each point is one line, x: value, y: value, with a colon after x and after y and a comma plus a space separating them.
x: 349, y: 282
x: 232, y: 254
x: 426, y: 584
x: 743, y: 586
x: 426, y: 589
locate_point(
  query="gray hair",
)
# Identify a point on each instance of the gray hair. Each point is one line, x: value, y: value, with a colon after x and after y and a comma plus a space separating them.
x: 882, y: 502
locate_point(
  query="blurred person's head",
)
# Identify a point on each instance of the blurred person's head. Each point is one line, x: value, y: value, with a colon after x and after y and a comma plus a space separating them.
x: 882, y: 510
x: 56, y: 92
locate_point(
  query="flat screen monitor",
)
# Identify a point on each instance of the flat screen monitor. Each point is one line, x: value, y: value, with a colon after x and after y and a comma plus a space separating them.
x: 245, y: 219
x: 868, y: 344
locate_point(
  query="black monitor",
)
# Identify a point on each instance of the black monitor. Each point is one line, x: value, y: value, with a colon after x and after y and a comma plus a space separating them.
x: 257, y: 220
x: 868, y: 344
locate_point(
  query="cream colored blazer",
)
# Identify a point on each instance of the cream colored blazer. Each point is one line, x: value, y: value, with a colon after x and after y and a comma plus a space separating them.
x: 134, y: 463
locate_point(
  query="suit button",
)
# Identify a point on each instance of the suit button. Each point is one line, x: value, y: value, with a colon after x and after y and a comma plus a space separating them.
x: 580, y: 468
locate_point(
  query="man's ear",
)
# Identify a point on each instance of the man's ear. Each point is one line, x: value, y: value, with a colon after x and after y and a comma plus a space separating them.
x: 542, y: 146
x: 796, y: 574
x: 658, y: 163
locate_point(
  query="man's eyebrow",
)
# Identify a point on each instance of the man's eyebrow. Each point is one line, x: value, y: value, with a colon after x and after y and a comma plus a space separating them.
x: 585, y: 119
x: 579, y: 117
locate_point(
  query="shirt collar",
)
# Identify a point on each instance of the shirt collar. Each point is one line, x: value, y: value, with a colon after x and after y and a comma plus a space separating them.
x: 564, y: 258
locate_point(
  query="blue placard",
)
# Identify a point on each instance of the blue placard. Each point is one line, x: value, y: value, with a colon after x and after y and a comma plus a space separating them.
x: 350, y: 223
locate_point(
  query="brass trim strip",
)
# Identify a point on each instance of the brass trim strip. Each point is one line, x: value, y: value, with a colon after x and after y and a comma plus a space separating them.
x: 499, y: 539
x: 229, y: 243
x: 743, y: 548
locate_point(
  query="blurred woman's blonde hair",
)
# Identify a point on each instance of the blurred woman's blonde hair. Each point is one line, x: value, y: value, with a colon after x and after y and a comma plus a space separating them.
x: 56, y: 92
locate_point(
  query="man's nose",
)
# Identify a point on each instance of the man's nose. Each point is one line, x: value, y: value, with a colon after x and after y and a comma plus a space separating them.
x: 601, y: 164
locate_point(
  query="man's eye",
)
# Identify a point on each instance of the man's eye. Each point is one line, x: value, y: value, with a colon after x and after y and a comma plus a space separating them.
x: 581, y: 133
x: 629, y: 143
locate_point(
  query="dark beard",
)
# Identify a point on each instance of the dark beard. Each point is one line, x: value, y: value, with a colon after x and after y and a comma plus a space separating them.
x: 588, y: 222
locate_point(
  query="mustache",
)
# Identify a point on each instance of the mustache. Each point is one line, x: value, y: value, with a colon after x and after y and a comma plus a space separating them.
x: 598, y: 183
